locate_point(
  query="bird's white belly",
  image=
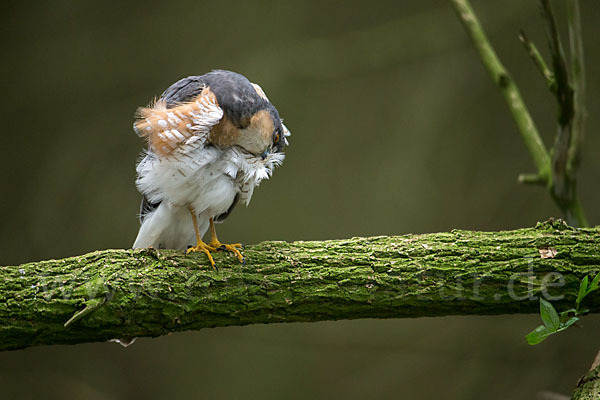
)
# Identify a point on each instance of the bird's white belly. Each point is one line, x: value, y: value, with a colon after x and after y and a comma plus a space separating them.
x: 213, y: 191
x: 198, y: 182
x: 206, y: 180
x: 205, y: 189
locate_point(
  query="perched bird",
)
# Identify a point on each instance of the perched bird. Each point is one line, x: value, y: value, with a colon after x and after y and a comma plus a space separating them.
x: 211, y: 140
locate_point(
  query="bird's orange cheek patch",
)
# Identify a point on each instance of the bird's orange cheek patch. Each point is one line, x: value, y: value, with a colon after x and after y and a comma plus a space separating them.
x: 263, y: 124
x: 259, y: 134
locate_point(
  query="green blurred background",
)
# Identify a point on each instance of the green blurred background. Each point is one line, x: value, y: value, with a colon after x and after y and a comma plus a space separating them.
x: 396, y: 129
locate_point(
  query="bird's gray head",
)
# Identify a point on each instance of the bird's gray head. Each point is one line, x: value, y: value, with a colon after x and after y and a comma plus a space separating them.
x: 251, y: 121
x: 264, y: 133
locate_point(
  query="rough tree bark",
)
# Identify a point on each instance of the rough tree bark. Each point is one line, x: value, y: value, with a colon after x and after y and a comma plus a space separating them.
x: 588, y: 387
x: 128, y: 293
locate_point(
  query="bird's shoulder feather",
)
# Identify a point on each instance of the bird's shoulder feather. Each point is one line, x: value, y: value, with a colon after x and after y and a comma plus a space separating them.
x: 181, y: 128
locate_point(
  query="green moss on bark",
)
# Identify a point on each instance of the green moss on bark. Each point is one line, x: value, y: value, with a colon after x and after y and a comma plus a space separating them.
x: 588, y: 387
x: 132, y: 293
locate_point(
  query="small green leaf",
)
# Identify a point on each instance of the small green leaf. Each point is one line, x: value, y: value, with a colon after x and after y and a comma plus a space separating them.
x: 582, y: 290
x: 595, y: 283
x: 549, y: 315
x: 538, y: 335
x: 570, y: 322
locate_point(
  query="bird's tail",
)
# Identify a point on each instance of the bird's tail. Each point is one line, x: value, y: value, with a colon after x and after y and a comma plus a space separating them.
x: 167, y: 227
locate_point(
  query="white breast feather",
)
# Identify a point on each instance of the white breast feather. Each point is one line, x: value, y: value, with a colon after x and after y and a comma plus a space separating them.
x: 205, y: 177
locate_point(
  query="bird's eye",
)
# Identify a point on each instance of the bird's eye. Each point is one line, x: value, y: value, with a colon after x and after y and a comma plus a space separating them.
x: 276, y: 138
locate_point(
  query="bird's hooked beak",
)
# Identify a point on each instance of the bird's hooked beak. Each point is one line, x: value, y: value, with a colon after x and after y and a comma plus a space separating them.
x: 265, y: 153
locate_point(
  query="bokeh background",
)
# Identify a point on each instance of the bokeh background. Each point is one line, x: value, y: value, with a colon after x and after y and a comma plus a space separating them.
x: 396, y: 129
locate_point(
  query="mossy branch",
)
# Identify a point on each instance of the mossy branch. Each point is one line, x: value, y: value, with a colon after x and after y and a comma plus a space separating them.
x: 588, y: 387
x: 130, y: 293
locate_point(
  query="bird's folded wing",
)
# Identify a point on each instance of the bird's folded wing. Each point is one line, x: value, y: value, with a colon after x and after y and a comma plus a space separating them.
x: 181, y: 128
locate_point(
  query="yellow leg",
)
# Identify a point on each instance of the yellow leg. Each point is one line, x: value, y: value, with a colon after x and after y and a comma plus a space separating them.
x: 215, y: 243
x: 200, y: 245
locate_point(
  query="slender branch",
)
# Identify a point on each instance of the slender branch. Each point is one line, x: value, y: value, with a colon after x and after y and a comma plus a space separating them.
x: 130, y: 293
x: 562, y: 189
x: 532, y: 179
x: 539, y: 62
x: 565, y: 153
x: 564, y: 92
x: 557, y: 170
x: 578, y: 83
x: 578, y: 213
x: 508, y: 88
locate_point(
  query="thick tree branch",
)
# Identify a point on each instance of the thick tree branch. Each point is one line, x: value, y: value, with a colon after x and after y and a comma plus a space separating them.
x: 128, y: 293
x: 588, y: 387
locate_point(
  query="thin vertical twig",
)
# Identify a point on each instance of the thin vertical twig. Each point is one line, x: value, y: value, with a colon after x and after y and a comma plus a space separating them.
x: 539, y: 62
x: 557, y: 169
x: 509, y: 89
x: 578, y: 83
x: 565, y: 150
x: 579, y: 111
x: 564, y: 92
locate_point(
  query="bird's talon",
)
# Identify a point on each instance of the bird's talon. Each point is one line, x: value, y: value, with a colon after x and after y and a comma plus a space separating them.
x: 228, y: 247
x: 202, y: 247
